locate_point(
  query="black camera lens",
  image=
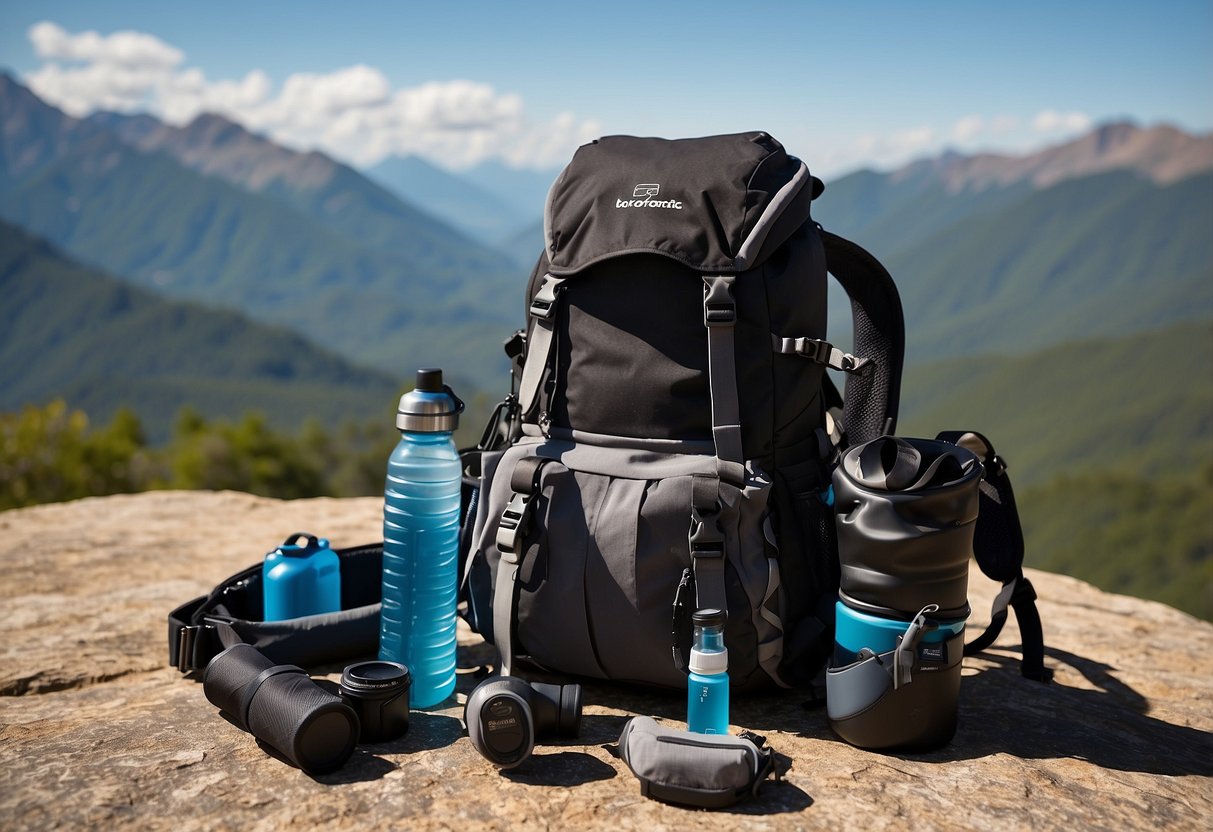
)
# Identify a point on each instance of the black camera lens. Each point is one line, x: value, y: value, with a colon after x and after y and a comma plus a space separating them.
x: 379, y: 693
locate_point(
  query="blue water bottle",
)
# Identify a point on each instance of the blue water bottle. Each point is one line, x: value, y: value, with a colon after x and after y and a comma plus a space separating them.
x: 300, y: 580
x: 708, y: 683
x: 421, y: 541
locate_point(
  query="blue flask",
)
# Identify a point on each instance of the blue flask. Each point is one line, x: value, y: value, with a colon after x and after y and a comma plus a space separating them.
x: 708, y: 682
x: 300, y: 580
x: 421, y: 541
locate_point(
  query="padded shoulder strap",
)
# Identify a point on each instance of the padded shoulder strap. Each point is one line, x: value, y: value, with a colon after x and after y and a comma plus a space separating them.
x: 871, y: 398
x: 999, y: 549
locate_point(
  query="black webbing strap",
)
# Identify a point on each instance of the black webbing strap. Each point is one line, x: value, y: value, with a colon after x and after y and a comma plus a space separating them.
x: 999, y: 548
x: 539, y: 341
x: 201, y: 628
x: 707, y: 543
x: 511, y: 531
x: 871, y: 397
x: 720, y: 318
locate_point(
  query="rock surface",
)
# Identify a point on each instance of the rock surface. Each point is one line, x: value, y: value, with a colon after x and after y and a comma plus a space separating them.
x: 96, y: 732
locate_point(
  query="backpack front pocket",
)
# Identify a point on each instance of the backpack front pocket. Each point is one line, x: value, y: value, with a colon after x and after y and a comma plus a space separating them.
x: 603, y: 549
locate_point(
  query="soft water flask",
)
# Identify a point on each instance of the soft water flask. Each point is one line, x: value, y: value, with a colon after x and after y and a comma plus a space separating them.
x: 708, y: 683
x: 421, y: 541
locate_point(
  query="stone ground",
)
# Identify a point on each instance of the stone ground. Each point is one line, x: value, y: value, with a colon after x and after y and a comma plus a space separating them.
x: 96, y: 732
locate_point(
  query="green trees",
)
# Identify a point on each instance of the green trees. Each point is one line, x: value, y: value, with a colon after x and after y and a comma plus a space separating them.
x: 1149, y: 537
x: 49, y: 453
x: 52, y: 453
x: 1129, y: 531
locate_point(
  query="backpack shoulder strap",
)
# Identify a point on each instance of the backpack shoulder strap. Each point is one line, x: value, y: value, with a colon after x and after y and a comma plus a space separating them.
x: 999, y: 548
x: 871, y: 398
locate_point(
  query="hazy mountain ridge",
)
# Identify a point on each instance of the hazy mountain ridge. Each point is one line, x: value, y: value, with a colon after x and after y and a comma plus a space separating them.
x: 1139, y: 405
x: 311, y: 182
x: 143, y: 215
x: 460, y: 201
x: 1162, y: 153
x: 72, y: 332
x: 32, y: 134
x: 1018, y: 267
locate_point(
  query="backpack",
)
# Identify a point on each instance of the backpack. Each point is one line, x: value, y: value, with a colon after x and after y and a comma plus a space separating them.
x: 670, y: 444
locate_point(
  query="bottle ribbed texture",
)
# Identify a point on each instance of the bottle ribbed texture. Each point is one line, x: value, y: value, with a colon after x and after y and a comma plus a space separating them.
x: 420, y: 563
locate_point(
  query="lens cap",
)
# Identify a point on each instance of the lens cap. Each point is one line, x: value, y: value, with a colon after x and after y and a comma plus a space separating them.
x: 378, y: 691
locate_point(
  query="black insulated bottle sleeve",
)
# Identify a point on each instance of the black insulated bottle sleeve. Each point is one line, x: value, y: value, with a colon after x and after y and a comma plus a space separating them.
x: 281, y: 706
x: 906, y: 510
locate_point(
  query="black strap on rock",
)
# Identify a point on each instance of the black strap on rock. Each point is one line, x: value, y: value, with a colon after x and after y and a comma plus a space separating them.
x: 202, y: 627
x: 999, y: 548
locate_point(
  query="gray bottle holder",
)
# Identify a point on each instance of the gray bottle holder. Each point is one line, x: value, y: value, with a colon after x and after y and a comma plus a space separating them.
x: 903, y: 699
x: 705, y: 770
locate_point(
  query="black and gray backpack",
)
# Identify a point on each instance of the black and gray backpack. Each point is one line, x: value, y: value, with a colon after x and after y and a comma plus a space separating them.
x: 671, y: 442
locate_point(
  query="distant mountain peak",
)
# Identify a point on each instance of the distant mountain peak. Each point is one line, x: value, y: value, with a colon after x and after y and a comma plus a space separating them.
x: 217, y: 129
x: 1162, y: 153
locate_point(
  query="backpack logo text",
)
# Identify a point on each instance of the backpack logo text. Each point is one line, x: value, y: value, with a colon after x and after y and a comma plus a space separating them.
x: 642, y: 197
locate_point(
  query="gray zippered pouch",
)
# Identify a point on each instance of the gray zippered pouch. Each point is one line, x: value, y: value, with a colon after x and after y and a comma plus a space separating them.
x: 706, y: 770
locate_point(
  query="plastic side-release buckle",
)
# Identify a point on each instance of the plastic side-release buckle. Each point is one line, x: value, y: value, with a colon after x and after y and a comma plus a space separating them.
x: 543, y: 306
x: 719, y: 309
x: 705, y: 538
x: 512, y: 526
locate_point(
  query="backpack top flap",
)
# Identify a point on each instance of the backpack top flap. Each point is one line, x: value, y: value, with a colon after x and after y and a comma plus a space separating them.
x: 716, y: 204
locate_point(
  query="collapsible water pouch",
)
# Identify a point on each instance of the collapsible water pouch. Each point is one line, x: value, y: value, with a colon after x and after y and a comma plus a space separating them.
x: 905, y: 513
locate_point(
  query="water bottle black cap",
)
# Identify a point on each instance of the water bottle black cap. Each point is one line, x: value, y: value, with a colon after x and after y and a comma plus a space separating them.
x: 709, y: 618
x: 429, y: 380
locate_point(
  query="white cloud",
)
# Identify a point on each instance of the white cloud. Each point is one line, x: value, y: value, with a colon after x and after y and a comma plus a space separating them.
x: 353, y: 113
x: 1051, y: 121
x: 968, y: 128
x: 127, y: 48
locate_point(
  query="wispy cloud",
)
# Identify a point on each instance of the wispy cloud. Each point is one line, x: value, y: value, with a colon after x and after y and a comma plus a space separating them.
x: 976, y: 132
x: 353, y: 113
x: 1051, y: 121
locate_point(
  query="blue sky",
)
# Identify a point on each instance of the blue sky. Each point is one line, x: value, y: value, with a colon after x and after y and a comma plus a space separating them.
x: 842, y: 85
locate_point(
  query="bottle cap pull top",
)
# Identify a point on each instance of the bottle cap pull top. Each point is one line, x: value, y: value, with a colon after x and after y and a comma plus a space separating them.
x: 431, y: 407
x: 429, y: 380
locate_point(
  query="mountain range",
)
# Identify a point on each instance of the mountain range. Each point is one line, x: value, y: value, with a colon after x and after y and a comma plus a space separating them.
x: 100, y: 343
x: 1100, y: 236
x: 487, y: 203
x: 1060, y: 300
x: 212, y: 213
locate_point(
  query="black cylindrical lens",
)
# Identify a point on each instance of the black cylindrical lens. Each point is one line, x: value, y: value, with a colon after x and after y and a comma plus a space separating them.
x: 281, y: 706
x: 379, y: 693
